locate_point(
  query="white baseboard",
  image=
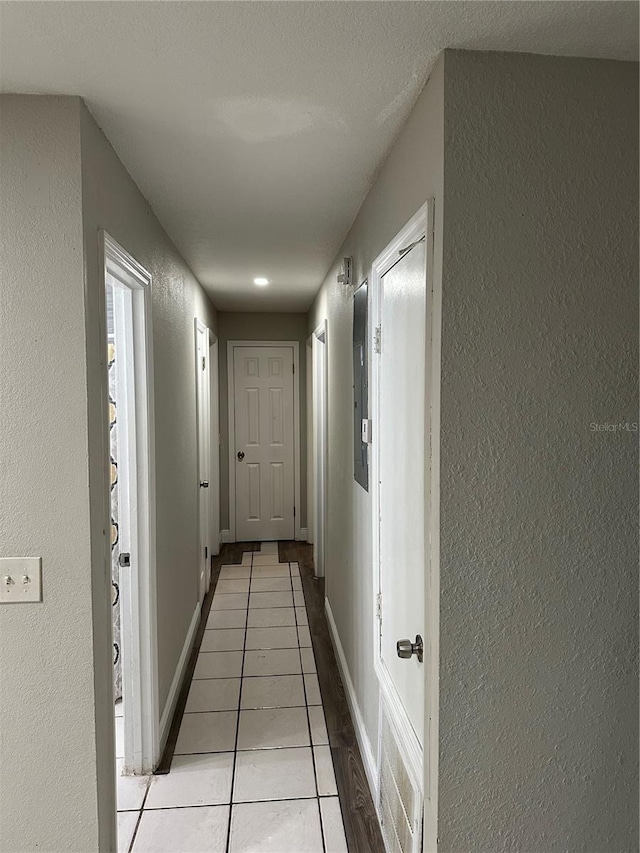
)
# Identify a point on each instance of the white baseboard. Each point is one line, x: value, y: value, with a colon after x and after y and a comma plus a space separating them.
x: 225, y: 536
x: 176, y: 684
x: 361, y: 735
x: 302, y: 536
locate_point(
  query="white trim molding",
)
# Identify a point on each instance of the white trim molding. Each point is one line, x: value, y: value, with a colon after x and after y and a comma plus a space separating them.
x: 432, y: 544
x: 309, y: 409
x: 214, y: 394
x: 225, y: 536
x: 317, y: 417
x: 298, y: 536
x: 139, y: 622
x: 178, y: 677
x: 364, y: 743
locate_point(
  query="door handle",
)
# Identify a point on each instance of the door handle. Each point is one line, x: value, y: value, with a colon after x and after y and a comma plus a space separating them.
x: 407, y: 649
x: 241, y: 455
x: 204, y: 484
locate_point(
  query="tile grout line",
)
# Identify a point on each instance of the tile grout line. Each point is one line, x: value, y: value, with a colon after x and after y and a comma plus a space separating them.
x: 253, y: 748
x: 142, y: 808
x: 312, y: 650
x: 240, y: 609
x: 231, y: 677
x: 135, y: 831
x: 166, y: 758
x: 338, y: 795
x: 238, y: 803
x: 259, y: 648
x: 231, y: 804
x: 235, y: 749
x: 304, y: 687
x: 259, y: 708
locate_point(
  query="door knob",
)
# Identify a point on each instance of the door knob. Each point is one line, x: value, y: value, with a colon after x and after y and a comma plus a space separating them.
x: 241, y: 455
x: 407, y: 649
x: 204, y: 484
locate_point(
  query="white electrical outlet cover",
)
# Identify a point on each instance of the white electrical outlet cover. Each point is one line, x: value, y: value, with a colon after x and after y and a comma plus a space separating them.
x: 20, y: 580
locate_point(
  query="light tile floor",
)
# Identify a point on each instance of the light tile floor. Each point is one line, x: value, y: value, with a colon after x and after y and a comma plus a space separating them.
x: 252, y: 770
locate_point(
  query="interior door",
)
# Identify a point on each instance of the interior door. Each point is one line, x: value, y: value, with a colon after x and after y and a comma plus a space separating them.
x: 264, y: 453
x: 214, y: 487
x: 204, y: 459
x: 401, y: 474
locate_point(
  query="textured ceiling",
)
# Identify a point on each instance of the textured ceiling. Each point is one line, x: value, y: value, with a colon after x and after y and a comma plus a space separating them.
x: 255, y: 128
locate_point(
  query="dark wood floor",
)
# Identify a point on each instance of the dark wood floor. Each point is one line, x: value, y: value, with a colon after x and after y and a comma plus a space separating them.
x: 358, y: 813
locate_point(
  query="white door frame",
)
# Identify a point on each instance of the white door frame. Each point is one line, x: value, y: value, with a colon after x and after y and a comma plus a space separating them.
x: 320, y: 446
x: 309, y: 410
x: 231, y: 345
x: 138, y: 582
x: 423, y: 761
x: 204, y: 537
x: 214, y: 394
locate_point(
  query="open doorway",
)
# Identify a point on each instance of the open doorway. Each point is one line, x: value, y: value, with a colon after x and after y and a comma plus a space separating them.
x: 132, y: 509
x: 206, y: 393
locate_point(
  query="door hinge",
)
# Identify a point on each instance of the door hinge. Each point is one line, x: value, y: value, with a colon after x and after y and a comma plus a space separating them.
x: 294, y: 368
x: 377, y: 339
x: 294, y: 512
x: 379, y: 606
x: 204, y: 363
x: 206, y: 552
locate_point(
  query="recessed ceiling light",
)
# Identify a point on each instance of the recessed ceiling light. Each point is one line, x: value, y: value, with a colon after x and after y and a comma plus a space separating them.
x: 261, y: 282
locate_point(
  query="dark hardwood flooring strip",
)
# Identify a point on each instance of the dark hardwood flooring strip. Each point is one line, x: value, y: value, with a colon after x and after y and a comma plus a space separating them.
x: 229, y: 554
x: 358, y: 812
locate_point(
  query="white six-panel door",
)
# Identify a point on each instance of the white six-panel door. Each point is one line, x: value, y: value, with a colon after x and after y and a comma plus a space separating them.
x: 263, y: 442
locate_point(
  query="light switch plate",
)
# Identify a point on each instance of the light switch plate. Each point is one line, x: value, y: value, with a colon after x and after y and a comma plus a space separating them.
x: 20, y: 579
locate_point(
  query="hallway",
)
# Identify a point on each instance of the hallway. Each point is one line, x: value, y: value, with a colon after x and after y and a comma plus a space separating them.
x: 251, y: 767
x: 358, y: 282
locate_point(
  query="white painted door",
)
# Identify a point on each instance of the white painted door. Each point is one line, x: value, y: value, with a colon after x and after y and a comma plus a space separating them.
x: 204, y: 459
x: 401, y: 498
x: 264, y: 451
x: 214, y: 483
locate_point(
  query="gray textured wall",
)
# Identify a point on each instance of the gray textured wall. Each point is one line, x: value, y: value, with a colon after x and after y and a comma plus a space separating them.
x: 60, y: 182
x: 246, y: 326
x: 47, y: 727
x: 539, y: 575
x: 111, y: 201
x: 411, y: 174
